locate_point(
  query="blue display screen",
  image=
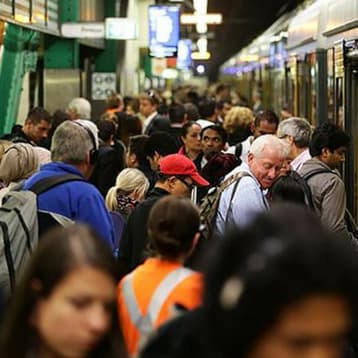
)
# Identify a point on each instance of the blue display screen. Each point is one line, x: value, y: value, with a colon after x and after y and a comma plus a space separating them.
x: 163, y: 30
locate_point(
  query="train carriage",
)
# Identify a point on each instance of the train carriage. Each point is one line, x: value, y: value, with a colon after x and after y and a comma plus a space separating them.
x: 310, y: 69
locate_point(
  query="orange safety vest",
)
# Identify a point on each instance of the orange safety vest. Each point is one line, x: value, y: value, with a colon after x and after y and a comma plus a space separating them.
x: 139, y: 316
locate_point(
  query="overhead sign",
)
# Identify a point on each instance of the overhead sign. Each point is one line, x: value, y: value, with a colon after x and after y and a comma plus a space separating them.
x: 163, y: 30
x: 118, y: 28
x: 201, y: 55
x: 184, y: 61
x: 88, y: 30
x: 209, y: 19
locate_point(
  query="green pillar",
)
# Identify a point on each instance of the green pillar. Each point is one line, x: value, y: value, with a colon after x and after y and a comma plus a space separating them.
x: 62, y: 52
x: 19, y: 57
x: 107, y: 59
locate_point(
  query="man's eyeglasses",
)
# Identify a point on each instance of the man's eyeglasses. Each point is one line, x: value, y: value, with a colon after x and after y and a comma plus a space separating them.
x: 189, y: 186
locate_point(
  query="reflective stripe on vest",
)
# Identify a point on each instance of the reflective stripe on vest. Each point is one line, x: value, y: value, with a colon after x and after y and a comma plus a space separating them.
x: 145, y: 323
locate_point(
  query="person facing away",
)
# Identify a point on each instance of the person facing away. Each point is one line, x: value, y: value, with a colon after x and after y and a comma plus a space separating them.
x: 19, y: 162
x: 130, y: 189
x: 79, y: 108
x: 161, y: 282
x: 238, y: 124
x: 157, y: 146
x: 110, y: 159
x: 35, y: 128
x: 284, y: 287
x: 328, y: 147
x: 177, y: 176
x: 239, y: 207
x: 297, y: 131
x: 64, y: 304
x: 73, y: 151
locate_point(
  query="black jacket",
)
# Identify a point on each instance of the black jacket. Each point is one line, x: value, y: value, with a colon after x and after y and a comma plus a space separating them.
x: 135, y: 239
x: 182, y: 337
x: 187, y: 336
x: 109, y: 163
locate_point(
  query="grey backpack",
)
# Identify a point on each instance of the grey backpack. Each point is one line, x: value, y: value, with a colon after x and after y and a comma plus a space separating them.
x: 20, y: 226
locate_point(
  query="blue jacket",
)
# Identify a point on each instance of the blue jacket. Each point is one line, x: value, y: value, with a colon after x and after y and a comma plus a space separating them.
x: 77, y: 200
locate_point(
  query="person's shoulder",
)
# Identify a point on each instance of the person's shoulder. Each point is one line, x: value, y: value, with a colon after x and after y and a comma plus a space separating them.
x: 192, y: 284
x: 180, y: 337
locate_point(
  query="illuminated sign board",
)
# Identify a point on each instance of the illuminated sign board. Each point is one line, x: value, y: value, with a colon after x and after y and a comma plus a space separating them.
x: 184, y: 61
x: 163, y: 30
x: 117, y: 28
x: 210, y: 19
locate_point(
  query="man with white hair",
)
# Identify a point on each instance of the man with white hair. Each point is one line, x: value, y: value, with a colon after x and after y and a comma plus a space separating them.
x: 79, y: 108
x: 74, y: 149
x: 239, y: 204
x: 297, y: 131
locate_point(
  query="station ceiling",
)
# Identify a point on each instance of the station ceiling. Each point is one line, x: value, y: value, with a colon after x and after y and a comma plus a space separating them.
x: 243, y: 20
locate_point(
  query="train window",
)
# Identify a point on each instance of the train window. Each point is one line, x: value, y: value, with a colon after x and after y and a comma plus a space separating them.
x: 339, y: 117
x: 290, y: 91
x: 303, y: 90
x: 354, y: 103
x: 311, y: 62
x: 330, y: 84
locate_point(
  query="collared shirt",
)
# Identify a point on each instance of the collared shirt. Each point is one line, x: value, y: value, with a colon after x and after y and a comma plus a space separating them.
x: 297, y: 163
x: 248, y: 201
x: 148, y: 120
x: 246, y: 145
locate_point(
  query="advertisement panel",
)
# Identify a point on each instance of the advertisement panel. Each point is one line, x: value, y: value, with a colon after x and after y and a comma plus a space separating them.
x: 163, y: 30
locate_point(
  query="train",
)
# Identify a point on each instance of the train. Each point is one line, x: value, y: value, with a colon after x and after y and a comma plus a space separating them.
x: 307, y: 64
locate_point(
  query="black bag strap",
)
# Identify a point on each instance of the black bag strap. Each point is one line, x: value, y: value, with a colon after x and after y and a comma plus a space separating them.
x: 48, y: 183
x: 237, y: 178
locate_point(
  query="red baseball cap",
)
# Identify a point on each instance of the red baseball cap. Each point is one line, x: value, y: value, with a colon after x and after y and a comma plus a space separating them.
x: 178, y: 164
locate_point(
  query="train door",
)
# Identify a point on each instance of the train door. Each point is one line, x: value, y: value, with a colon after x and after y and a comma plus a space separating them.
x: 302, y: 83
x: 311, y: 88
x: 350, y: 110
x: 317, y: 92
x: 292, y: 86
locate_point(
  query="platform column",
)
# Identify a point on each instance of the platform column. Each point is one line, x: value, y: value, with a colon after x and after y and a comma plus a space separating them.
x: 19, y: 57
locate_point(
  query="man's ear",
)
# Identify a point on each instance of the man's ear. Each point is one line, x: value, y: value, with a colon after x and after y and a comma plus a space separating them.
x: 87, y: 159
x: 250, y: 158
x: 27, y: 122
x: 325, y: 152
x: 171, y: 182
x: 156, y: 158
x: 132, y: 158
x: 290, y: 139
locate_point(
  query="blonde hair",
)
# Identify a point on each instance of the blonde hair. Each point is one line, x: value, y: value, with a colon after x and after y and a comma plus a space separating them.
x: 129, y: 180
x: 238, y: 117
x: 19, y: 162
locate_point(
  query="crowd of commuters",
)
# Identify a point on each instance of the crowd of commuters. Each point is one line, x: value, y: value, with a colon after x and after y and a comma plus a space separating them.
x: 131, y: 272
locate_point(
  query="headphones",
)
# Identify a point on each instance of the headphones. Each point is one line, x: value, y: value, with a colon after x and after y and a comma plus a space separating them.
x: 93, y: 153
